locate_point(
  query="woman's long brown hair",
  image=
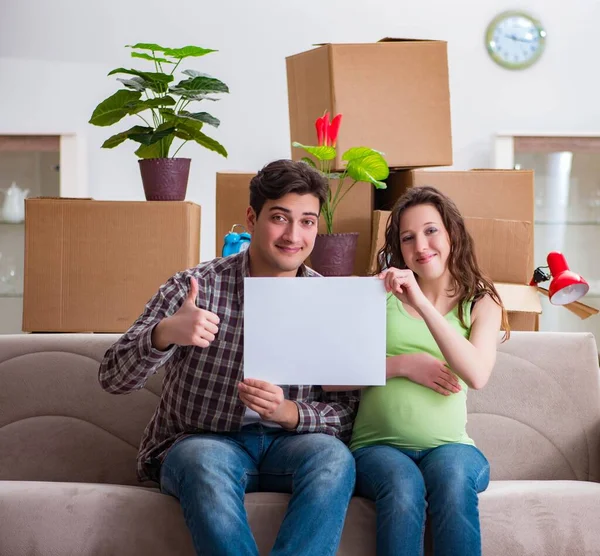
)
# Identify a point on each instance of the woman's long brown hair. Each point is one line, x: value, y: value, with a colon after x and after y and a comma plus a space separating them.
x: 468, y: 281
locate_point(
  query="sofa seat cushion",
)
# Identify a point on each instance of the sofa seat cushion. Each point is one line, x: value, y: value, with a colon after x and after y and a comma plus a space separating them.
x: 557, y: 518
x: 86, y: 519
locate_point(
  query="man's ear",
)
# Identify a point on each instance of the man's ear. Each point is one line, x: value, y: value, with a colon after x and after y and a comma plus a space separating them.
x: 250, y: 219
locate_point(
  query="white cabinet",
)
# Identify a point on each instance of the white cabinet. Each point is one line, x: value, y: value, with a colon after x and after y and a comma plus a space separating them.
x: 567, y: 211
x: 49, y: 166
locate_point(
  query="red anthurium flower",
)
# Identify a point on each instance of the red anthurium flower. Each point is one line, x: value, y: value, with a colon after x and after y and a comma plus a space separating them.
x: 326, y: 128
x: 321, y: 130
x: 334, y: 129
x: 322, y: 124
x: 327, y: 131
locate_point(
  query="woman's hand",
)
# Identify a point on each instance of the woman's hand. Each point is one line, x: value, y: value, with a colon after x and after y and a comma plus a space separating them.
x: 424, y: 369
x: 403, y: 284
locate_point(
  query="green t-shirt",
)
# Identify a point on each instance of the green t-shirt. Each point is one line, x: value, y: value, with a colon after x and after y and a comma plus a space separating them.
x: 403, y: 413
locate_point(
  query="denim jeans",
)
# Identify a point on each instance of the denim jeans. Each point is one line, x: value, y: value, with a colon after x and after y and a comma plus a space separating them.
x: 210, y: 473
x: 404, y: 484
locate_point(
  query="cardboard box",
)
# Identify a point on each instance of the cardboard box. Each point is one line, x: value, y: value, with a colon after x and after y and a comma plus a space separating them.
x: 353, y: 214
x: 502, y: 247
x: 503, y: 194
x: 380, y: 222
x: 91, y: 266
x: 393, y: 94
x: 509, y: 260
x: 522, y: 304
x: 499, y: 194
x: 231, y: 202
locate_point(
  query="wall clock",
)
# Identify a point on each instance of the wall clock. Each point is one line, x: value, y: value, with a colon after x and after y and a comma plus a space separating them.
x: 515, y: 40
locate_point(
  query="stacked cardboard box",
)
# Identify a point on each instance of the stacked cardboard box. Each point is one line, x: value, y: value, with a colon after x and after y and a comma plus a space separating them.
x: 498, y: 206
x: 394, y: 97
x: 91, y: 266
x: 405, y: 113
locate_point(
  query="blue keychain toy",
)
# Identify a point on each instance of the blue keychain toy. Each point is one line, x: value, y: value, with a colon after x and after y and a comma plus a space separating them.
x: 236, y: 242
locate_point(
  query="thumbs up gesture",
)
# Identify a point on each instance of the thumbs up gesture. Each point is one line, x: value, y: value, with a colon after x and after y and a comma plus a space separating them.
x: 189, y: 326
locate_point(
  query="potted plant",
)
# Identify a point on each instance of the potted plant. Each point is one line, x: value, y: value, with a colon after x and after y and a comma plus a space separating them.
x: 163, y: 106
x: 334, y: 253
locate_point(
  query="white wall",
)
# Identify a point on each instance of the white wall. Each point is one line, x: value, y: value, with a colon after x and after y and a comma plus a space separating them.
x: 54, y: 57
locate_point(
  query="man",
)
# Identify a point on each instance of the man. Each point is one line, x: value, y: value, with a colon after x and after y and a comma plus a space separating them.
x: 216, y: 434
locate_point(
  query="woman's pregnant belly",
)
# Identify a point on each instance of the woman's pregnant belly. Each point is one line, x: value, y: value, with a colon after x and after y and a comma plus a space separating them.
x: 409, y: 415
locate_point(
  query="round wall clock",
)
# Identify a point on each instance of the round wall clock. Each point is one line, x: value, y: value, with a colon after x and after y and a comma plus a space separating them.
x: 515, y: 40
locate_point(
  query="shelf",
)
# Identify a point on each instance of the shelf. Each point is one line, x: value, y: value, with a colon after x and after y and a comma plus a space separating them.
x: 3, y: 223
x: 11, y: 295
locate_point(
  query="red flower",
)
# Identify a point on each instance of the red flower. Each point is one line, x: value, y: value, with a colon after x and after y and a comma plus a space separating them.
x: 322, y: 124
x: 334, y: 129
x: 327, y: 132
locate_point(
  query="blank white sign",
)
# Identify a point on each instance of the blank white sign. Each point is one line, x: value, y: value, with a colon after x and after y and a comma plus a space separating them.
x: 323, y: 331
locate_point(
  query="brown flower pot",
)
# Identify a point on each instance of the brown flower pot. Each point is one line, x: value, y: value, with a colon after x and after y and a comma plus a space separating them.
x: 334, y: 254
x: 165, y: 179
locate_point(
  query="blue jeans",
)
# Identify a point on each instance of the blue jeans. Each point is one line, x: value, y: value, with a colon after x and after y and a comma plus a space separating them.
x: 210, y: 473
x: 404, y: 484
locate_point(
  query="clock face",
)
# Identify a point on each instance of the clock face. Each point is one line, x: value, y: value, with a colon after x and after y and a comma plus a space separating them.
x: 515, y: 40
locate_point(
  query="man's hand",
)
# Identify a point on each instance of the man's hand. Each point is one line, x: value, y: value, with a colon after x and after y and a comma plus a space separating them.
x: 424, y: 369
x: 268, y: 401
x: 189, y: 326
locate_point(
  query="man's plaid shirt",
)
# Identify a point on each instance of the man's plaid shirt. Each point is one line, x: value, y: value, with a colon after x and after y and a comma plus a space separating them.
x: 199, y: 392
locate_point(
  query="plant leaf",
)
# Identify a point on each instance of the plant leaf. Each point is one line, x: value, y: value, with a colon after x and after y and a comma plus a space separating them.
x: 151, y: 76
x: 371, y: 168
x: 162, y: 131
x: 157, y: 82
x: 201, y: 85
x: 159, y: 149
x: 141, y: 105
x: 203, y: 117
x: 202, y: 139
x: 135, y: 83
x: 169, y: 115
x: 182, y: 134
x: 187, y: 51
x: 145, y: 56
x: 191, y: 96
x: 194, y: 73
x: 147, y: 46
x: 308, y: 161
x: 117, y: 139
x: 359, y: 152
x: 114, y: 108
x: 320, y: 153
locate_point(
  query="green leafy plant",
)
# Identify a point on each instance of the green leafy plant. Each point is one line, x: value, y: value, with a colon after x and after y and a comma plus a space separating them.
x: 363, y: 164
x: 161, y: 104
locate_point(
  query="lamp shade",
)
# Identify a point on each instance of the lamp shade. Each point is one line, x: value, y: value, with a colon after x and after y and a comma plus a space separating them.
x: 566, y: 286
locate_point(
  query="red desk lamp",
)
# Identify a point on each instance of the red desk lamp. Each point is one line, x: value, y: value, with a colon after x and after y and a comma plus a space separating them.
x: 566, y: 286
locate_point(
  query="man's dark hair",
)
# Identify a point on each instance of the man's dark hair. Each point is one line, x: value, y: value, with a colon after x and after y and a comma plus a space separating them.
x: 284, y: 176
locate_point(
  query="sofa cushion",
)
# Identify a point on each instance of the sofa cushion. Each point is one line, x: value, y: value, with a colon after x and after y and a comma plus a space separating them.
x: 558, y: 518
x: 538, y: 418
x: 519, y: 518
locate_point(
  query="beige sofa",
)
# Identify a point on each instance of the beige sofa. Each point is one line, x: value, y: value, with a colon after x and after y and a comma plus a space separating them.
x: 67, y: 456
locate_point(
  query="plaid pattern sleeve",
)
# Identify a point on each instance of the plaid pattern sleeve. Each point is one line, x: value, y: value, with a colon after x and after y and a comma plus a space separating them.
x: 132, y: 359
x: 328, y: 412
